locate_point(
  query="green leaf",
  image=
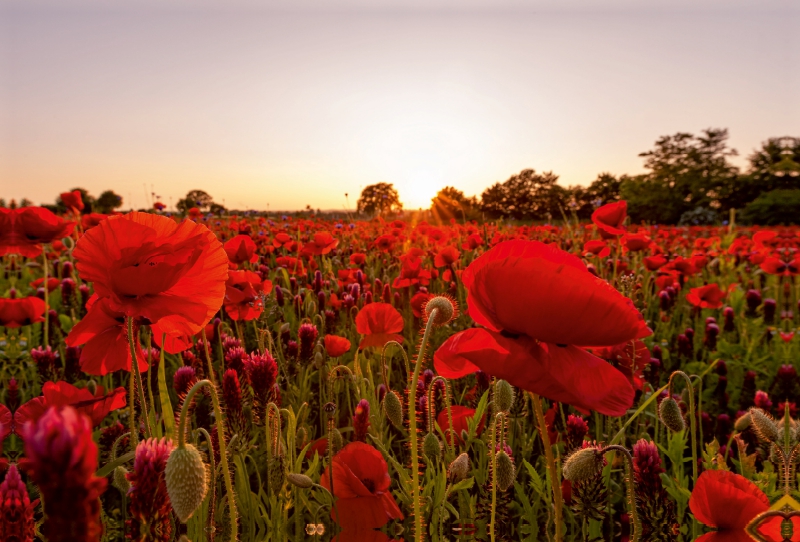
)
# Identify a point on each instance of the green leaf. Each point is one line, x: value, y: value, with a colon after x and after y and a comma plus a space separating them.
x: 466, y: 483
x: 66, y: 322
x: 108, y: 468
x: 163, y: 393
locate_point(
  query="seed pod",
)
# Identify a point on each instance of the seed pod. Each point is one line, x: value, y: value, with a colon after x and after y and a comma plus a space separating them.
x: 445, y: 309
x: 505, y: 474
x: 337, y: 440
x: 671, y: 415
x: 431, y: 446
x: 120, y: 480
x: 583, y: 464
x: 300, y: 480
x: 276, y: 474
x: 503, y: 396
x: 186, y: 480
x: 764, y: 426
x: 459, y: 468
x: 393, y: 408
x: 743, y: 422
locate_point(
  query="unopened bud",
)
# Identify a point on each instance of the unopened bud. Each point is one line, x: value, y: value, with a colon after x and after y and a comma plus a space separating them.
x: 393, y: 408
x: 503, y: 396
x: 431, y: 446
x: 743, y: 422
x: 459, y: 468
x: 120, y: 480
x: 671, y: 416
x: 337, y: 440
x: 300, y: 480
x: 504, y: 477
x: 186, y: 480
x: 764, y: 426
x: 583, y: 464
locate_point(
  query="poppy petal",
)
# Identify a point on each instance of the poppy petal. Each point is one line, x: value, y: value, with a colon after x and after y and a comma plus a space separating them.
x: 726, y: 500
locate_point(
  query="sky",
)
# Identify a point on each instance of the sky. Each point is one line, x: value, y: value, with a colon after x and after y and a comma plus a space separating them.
x: 279, y: 104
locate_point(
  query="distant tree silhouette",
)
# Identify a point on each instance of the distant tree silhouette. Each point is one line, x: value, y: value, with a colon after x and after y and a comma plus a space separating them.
x: 88, y: 201
x: 379, y: 198
x: 526, y: 196
x: 195, y: 198
x: 452, y: 203
x: 108, y: 201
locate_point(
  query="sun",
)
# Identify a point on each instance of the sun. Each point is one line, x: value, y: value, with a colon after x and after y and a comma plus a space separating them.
x: 418, y: 189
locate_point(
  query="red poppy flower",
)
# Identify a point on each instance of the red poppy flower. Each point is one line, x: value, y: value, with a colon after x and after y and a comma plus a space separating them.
x: 540, y: 304
x: 384, y: 243
x: 281, y: 239
x: 706, y: 297
x: 610, y: 217
x: 653, y: 263
x: 241, y: 249
x: 728, y: 502
x: 72, y: 200
x: 322, y: 243
x: 294, y: 266
x: 446, y: 256
x: 379, y: 323
x: 631, y: 359
x: 52, y: 283
x: 472, y: 242
x: 59, y: 394
x: 411, y: 272
x: 319, y: 446
x: 336, y: 346
x: 777, y: 266
x: 24, y: 231
x: 358, y: 258
x: 597, y: 248
x: 461, y: 416
x: 636, y: 241
x: 418, y: 303
x: 21, y: 312
x: 361, y: 486
x: 103, y: 333
x: 91, y: 220
x: 6, y: 424
x: 244, y: 292
x: 149, y: 267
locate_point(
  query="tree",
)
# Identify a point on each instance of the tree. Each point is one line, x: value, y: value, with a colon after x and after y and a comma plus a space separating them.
x: 604, y: 189
x: 452, y: 203
x: 379, y: 198
x: 108, y: 201
x: 686, y: 172
x: 195, y: 198
x: 773, y: 208
x: 526, y: 196
x: 88, y: 201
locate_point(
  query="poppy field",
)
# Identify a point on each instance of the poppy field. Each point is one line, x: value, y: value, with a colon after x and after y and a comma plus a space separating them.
x: 263, y: 377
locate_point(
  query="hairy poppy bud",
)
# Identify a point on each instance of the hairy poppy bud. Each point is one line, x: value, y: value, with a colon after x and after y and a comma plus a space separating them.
x: 300, y: 480
x: 743, y: 422
x: 393, y: 408
x: 505, y: 474
x: 503, y: 396
x: 445, y: 309
x: 583, y: 464
x: 120, y: 480
x: 764, y: 425
x: 671, y: 415
x: 336, y: 440
x: 459, y: 468
x: 431, y: 446
x: 186, y: 480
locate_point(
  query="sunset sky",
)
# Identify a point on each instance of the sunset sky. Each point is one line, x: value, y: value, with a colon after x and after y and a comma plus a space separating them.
x: 280, y: 104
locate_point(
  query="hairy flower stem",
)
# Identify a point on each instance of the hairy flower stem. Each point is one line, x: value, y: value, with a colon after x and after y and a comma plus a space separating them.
x: 449, y: 444
x: 412, y: 429
x: 138, y: 376
x: 636, y: 522
x: 693, y: 429
x: 223, y: 453
x: 211, y: 485
x: 558, y: 501
x: 499, y: 417
x: 207, y: 350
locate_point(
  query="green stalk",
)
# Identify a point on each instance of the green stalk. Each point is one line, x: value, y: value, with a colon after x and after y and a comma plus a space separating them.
x: 636, y: 522
x: 412, y: 429
x: 223, y: 452
x: 558, y: 501
x: 46, y: 338
x: 693, y: 429
x: 138, y: 376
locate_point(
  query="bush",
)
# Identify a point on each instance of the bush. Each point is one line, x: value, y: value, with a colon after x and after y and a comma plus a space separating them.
x: 774, y: 208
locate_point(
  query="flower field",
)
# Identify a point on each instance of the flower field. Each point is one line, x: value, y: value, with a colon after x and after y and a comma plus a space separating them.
x: 275, y: 378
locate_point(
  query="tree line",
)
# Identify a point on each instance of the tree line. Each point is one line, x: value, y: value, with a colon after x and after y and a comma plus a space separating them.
x: 690, y: 180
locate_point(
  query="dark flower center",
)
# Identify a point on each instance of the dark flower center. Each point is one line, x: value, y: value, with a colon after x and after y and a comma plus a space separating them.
x: 369, y: 484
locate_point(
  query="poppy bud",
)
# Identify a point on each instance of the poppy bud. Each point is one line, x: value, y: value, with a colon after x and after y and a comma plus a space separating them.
x: 503, y: 396
x: 120, y: 480
x: 764, y: 426
x: 671, y: 415
x: 336, y: 440
x: 186, y: 480
x: 459, y: 468
x: 583, y: 464
x: 300, y: 480
x: 302, y: 435
x: 728, y: 315
x: 445, y: 310
x: 431, y: 446
x: 769, y: 311
x: 753, y: 299
x: 393, y: 408
x: 505, y: 474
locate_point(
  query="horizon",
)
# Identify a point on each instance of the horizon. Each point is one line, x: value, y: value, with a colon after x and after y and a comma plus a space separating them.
x: 294, y: 105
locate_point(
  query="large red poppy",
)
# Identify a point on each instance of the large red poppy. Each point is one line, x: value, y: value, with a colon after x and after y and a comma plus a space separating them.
x: 72, y: 200
x: 706, y: 297
x: 336, y: 346
x: 59, y: 394
x: 322, y: 243
x: 241, y: 249
x: 361, y: 486
x: 243, y: 295
x: 24, y: 231
x: 149, y: 267
x: 23, y: 311
x: 539, y: 305
x: 379, y: 323
x: 728, y: 502
x: 609, y: 218
x: 461, y: 416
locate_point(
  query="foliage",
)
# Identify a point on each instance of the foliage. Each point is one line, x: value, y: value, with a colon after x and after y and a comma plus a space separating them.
x: 379, y: 198
x: 195, y: 198
x: 451, y: 203
x: 525, y: 196
x: 108, y: 201
x: 773, y: 208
